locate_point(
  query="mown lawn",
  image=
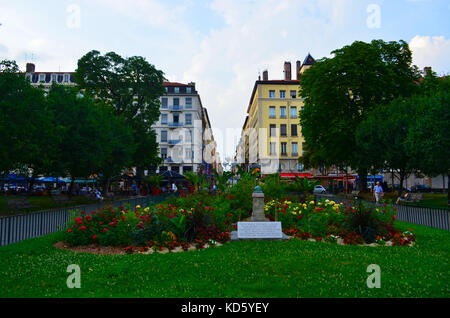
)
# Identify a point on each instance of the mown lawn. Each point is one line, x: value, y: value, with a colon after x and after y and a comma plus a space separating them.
x: 34, y: 268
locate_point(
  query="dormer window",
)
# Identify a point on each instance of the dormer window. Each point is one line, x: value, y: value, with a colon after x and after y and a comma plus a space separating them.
x: 66, y: 78
x: 53, y: 77
x: 188, y: 90
x: 41, y: 77
x: 177, y: 90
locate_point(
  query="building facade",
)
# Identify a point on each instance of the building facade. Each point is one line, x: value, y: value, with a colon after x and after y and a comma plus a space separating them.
x: 184, y: 132
x: 271, y: 137
x: 46, y: 79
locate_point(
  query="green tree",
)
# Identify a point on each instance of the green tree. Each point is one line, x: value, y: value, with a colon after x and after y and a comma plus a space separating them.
x: 132, y: 87
x: 428, y: 140
x: 84, y: 147
x: 382, y: 137
x: 29, y: 138
x: 341, y: 91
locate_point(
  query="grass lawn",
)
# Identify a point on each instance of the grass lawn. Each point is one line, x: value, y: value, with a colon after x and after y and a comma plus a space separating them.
x: 433, y: 200
x: 295, y: 268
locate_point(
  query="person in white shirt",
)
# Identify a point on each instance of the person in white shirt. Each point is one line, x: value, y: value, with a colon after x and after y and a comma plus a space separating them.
x: 378, y: 191
x: 174, y: 187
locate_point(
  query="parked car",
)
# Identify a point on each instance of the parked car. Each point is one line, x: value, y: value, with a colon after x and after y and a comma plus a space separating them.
x: 318, y: 189
x: 419, y: 188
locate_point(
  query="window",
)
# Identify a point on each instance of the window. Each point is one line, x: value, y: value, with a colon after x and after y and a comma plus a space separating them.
x: 294, y: 149
x: 164, y: 102
x: 273, y: 130
x: 177, y: 90
x: 303, y: 148
x: 167, y: 89
x: 283, y: 130
x: 66, y: 78
x: 284, y: 149
x: 188, y: 102
x: 60, y: 78
x: 283, y: 112
x: 164, y: 153
x: 35, y: 78
x: 273, y: 148
x: 175, y: 169
x: 282, y: 94
x: 189, y: 91
x: 176, y: 101
x: 188, y: 154
x: 294, y: 130
x: 187, y: 168
x: 41, y: 77
x: 271, y: 94
x: 303, y: 107
x: 162, y: 169
x: 300, y: 167
x: 163, y: 135
x: 164, y: 119
x: 272, y: 112
x: 176, y: 118
x: 188, y: 119
x: 188, y: 137
x: 293, y: 112
x: 293, y: 94
x: 53, y: 77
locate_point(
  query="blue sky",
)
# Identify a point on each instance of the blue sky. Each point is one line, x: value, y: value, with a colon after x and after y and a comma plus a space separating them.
x: 221, y: 45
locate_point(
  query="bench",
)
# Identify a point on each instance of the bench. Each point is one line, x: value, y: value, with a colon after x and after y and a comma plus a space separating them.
x: 415, y: 197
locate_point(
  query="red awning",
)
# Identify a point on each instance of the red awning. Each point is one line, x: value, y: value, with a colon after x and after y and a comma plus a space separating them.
x: 292, y: 175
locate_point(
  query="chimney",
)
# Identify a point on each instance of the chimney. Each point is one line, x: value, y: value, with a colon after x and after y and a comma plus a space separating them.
x: 266, y: 75
x: 30, y: 68
x: 299, y: 66
x: 426, y: 70
x: 287, y: 71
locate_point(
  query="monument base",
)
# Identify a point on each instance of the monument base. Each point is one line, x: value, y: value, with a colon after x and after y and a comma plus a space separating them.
x: 258, y: 231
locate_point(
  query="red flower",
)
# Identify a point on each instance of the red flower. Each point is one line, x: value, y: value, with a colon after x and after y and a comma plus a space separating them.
x: 171, y: 216
x: 82, y: 228
x: 69, y: 230
x: 393, y: 217
x: 94, y: 237
x: 105, y: 230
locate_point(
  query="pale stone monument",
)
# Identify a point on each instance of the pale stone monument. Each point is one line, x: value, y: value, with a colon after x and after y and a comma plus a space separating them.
x: 259, y: 227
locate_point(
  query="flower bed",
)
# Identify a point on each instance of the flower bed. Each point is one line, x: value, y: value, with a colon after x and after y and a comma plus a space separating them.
x: 196, y: 221
x: 186, y: 222
x: 345, y: 223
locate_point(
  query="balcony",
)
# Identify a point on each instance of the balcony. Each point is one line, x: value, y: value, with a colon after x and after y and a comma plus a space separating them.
x: 174, y: 142
x: 175, y: 124
x: 176, y: 108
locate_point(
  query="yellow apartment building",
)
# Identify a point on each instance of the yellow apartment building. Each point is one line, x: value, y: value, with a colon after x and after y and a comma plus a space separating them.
x: 271, y: 136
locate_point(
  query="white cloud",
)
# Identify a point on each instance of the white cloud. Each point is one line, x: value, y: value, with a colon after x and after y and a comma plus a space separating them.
x: 431, y: 51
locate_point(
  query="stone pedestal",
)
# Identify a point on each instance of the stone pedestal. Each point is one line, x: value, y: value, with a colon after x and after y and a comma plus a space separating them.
x: 258, y: 214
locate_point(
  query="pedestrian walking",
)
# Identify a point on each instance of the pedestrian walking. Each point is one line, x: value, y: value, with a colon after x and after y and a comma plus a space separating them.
x: 378, y: 191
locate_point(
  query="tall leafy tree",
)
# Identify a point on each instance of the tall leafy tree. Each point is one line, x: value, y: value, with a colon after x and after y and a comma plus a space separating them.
x: 428, y: 139
x: 382, y: 137
x: 341, y: 91
x: 132, y: 87
x: 84, y: 146
x: 29, y: 138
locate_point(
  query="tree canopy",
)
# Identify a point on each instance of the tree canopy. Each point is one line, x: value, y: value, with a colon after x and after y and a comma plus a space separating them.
x: 340, y: 92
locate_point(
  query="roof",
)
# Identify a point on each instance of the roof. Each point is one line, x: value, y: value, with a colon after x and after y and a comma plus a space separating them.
x: 175, y: 84
x: 309, y: 60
